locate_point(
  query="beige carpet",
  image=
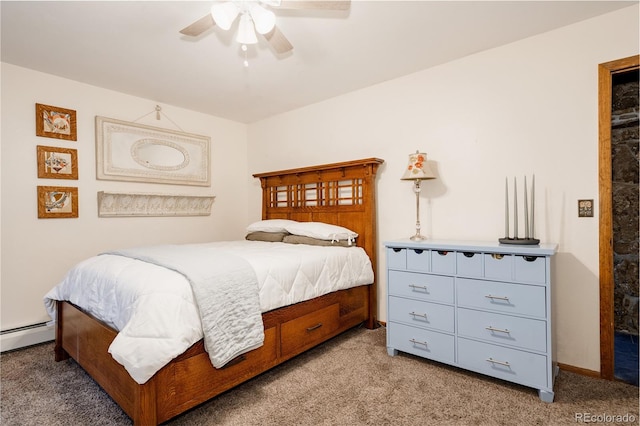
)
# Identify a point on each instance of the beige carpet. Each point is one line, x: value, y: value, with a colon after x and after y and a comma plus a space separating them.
x: 349, y: 380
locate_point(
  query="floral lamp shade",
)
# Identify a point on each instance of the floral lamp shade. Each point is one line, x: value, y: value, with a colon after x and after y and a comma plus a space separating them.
x: 418, y: 167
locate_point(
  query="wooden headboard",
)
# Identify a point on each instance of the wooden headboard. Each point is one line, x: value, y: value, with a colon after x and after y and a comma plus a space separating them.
x: 342, y: 194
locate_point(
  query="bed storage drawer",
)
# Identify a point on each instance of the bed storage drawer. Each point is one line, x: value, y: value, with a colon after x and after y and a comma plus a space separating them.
x: 309, y: 330
x: 195, y: 374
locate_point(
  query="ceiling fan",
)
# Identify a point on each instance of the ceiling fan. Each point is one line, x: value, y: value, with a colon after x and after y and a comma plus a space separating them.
x: 257, y: 16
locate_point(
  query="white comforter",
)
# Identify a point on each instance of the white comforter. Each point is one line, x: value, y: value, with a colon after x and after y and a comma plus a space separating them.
x: 153, y: 307
x: 225, y: 289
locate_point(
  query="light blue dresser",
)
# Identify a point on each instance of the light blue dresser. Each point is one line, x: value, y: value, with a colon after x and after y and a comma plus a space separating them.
x: 481, y: 306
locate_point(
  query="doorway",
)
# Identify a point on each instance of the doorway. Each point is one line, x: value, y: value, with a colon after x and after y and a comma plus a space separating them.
x: 612, y: 264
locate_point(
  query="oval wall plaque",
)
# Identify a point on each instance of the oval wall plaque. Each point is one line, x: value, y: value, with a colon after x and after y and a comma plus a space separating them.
x: 157, y: 154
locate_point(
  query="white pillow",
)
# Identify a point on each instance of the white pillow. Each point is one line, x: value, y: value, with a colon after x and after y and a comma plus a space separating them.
x: 270, y: 225
x: 321, y: 231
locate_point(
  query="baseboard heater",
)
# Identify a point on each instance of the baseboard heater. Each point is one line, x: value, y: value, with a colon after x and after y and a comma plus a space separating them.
x: 20, y: 337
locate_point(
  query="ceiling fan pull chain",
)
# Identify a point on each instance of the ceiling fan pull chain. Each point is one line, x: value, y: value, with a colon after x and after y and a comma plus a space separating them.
x: 246, y: 61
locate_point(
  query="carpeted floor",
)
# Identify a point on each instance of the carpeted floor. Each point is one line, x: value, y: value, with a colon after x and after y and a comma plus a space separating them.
x: 349, y: 380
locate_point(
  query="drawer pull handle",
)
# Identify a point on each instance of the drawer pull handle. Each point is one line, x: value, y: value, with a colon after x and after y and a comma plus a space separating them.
x: 497, y: 256
x: 413, y: 314
x: 530, y: 258
x: 396, y: 250
x: 501, y: 330
x: 418, y: 251
x: 468, y: 254
x: 420, y: 287
x: 318, y: 325
x: 493, y: 361
x: 418, y: 342
x: 442, y: 253
x: 489, y: 296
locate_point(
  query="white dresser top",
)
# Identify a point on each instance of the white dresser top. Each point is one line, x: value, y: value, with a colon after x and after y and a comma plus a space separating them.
x: 547, y: 249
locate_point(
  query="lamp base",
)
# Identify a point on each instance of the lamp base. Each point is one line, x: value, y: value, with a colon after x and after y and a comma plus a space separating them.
x: 520, y: 241
x: 418, y: 237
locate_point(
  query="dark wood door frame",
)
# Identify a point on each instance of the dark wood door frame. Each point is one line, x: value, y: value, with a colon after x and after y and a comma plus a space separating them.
x: 605, y: 77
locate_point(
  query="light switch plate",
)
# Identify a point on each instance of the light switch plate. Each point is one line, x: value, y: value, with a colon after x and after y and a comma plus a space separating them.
x: 585, y: 208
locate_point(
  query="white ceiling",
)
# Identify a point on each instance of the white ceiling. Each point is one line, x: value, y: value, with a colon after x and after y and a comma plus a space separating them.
x: 134, y: 47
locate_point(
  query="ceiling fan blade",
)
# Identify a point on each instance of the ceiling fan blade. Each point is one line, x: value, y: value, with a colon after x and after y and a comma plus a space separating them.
x: 200, y: 26
x: 315, y: 4
x: 278, y: 41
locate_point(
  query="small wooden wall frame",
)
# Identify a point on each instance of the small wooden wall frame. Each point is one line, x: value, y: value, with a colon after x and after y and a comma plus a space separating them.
x: 55, y: 122
x: 57, y: 163
x: 57, y: 202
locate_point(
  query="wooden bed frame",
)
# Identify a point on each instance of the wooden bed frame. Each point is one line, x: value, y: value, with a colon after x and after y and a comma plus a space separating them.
x: 339, y: 193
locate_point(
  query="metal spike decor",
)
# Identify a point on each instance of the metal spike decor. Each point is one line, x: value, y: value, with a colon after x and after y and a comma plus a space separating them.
x: 529, y: 219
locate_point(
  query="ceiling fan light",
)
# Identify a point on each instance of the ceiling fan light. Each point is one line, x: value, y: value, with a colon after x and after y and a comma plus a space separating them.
x: 246, y: 33
x: 263, y: 19
x: 273, y: 3
x: 224, y: 14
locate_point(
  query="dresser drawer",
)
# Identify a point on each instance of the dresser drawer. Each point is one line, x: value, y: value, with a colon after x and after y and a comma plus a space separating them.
x: 443, y: 262
x: 524, y: 333
x: 309, y: 330
x: 396, y: 258
x: 469, y: 264
x: 531, y: 269
x: 518, y: 299
x: 437, y: 288
x: 418, y: 260
x: 421, y: 342
x: 421, y: 314
x: 509, y: 364
x: 498, y: 266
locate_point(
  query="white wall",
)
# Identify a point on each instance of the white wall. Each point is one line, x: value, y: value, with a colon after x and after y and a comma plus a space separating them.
x: 37, y: 252
x: 522, y: 109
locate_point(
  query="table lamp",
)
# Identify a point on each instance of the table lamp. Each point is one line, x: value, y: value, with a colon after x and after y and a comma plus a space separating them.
x: 418, y: 170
